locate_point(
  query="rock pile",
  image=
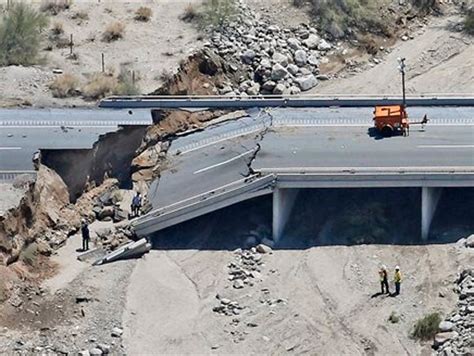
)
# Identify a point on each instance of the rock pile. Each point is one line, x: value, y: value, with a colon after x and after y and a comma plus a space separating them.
x: 456, y: 336
x: 106, y: 207
x: 114, y: 236
x: 247, y: 267
x: 270, y: 59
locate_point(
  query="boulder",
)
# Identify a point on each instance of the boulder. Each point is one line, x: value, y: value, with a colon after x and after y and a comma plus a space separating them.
x: 446, y: 326
x: 470, y: 241
x: 278, y: 72
x: 312, y: 41
x: 238, y: 284
x: 300, y: 57
x: 306, y: 82
x: 107, y: 211
x: 266, y: 63
x: 269, y: 85
x: 280, y: 59
x: 120, y: 215
x: 441, y: 338
x: 279, y: 89
x: 293, y: 43
x: 248, y: 56
x: 117, y: 332
x: 313, y: 60
x: 254, y: 89
x: 322, y: 77
x: 95, y: 352
x: 295, y: 90
x: 292, y: 69
x: 324, y: 45
x: 104, y: 348
x: 262, y: 248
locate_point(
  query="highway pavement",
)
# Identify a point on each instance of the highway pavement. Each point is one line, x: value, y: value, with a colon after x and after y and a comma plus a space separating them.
x: 308, y: 139
x: 25, y: 131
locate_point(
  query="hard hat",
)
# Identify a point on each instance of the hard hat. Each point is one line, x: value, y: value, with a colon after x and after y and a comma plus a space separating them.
x: 384, y: 267
x: 397, y: 267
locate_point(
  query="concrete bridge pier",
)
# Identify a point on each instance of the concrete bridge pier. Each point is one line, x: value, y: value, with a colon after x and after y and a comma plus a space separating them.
x: 429, y: 201
x: 283, y: 201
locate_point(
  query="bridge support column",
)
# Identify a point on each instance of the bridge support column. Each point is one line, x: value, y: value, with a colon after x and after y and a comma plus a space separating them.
x: 429, y: 201
x: 283, y: 201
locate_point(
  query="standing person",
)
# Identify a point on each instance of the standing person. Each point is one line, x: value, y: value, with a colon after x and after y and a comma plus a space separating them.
x: 136, y: 205
x: 397, y: 278
x: 384, y: 279
x: 85, y: 235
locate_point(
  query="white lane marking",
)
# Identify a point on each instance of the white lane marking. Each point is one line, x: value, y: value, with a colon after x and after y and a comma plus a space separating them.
x: 218, y: 141
x: 10, y: 148
x: 445, y: 146
x: 225, y: 162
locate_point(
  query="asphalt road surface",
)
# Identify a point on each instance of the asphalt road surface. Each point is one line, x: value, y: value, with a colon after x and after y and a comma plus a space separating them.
x: 25, y: 131
x: 311, y: 139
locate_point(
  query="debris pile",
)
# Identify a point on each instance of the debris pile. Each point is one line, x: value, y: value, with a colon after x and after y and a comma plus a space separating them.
x: 107, y: 206
x: 274, y: 60
x: 456, y: 332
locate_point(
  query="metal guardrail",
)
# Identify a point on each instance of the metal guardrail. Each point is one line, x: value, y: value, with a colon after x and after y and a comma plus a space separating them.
x: 149, y: 102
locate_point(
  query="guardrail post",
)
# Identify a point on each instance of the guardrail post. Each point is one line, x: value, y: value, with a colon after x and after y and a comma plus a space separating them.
x: 429, y: 201
x: 283, y: 201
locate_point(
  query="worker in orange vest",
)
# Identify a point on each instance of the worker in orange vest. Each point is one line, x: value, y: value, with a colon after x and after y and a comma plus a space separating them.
x: 397, y: 278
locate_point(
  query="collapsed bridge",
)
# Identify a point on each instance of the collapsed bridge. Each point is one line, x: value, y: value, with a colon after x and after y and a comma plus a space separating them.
x: 282, y: 150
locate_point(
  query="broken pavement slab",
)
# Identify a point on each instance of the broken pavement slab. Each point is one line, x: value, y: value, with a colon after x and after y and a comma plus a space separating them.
x: 129, y: 250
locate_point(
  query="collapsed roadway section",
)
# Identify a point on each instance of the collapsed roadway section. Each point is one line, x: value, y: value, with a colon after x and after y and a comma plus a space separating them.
x: 280, y: 150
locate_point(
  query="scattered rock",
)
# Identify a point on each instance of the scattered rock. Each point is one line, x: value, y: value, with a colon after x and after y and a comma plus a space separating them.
x: 306, y: 82
x: 239, y: 284
x: 117, y: 332
x: 446, y: 326
x: 470, y: 241
x: 95, y: 352
x: 262, y: 248
x: 278, y: 72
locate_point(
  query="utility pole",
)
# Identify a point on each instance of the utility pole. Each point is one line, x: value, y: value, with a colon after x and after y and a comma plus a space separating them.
x: 401, y: 67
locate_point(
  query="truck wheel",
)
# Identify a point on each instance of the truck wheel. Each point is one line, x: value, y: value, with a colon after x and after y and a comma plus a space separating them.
x: 387, y: 131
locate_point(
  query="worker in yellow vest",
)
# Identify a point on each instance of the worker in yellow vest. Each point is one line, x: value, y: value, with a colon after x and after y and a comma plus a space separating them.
x: 397, y: 279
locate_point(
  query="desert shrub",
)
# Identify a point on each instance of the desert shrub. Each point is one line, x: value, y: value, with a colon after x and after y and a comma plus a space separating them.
x: 299, y: 3
x: 337, y: 17
x: 126, y: 84
x: 80, y: 15
x: 30, y: 255
x: 99, y: 86
x: 20, y: 35
x: 469, y: 21
x: 57, y: 29
x: 216, y: 12
x: 426, y: 6
x: 394, y: 318
x: 427, y: 327
x: 113, y: 32
x: 190, y: 14
x: 64, y: 86
x: 143, y: 14
x: 54, y: 7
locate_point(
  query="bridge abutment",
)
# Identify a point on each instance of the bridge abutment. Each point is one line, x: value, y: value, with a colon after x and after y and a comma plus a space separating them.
x: 429, y: 201
x: 283, y: 201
